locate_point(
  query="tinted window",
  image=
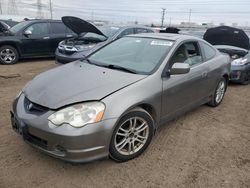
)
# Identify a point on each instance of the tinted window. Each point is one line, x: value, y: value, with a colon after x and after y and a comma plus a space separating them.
x: 18, y: 27
x: 128, y: 31
x: 142, y: 55
x: 187, y: 53
x: 209, y: 52
x: 58, y: 28
x: 38, y: 29
x: 141, y: 30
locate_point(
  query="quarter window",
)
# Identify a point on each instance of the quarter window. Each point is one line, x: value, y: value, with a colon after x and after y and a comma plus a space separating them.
x: 209, y: 52
x: 38, y: 29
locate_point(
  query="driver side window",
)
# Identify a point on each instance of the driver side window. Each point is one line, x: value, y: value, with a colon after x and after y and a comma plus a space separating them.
x: 187, y: 53
x: 38, y: 29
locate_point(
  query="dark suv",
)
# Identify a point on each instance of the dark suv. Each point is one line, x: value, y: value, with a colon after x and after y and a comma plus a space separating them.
x: 90, y: 38
x: 33, y: 38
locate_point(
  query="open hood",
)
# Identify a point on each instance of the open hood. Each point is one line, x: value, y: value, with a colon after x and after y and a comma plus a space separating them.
x: 225, y: 35
x: 79, y: 26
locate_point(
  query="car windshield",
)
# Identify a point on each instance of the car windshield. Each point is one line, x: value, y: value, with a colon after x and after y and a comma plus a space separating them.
x: 16, y: 28
x: 138, y: 55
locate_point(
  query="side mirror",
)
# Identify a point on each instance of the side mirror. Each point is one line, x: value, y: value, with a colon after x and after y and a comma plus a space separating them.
x: 27, y: 33
x: 180, y: 68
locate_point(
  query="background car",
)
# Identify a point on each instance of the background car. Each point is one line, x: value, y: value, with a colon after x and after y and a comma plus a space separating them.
x: 111, y: 103
x: 235, y: 43
x: 90, y: 38
x: 32, y: 38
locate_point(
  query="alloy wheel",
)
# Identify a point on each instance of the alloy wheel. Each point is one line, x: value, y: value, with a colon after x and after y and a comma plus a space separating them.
x: 7, y: 55
x: 220, y: 91
x: 131, y: 136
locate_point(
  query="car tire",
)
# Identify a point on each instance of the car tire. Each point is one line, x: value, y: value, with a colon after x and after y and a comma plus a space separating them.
x: 132, y: 135
x: 219, y: 93
x: 247, y: 78
x: 8, y: 55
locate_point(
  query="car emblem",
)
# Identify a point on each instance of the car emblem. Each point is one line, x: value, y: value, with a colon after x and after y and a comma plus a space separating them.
x: 29, y: 106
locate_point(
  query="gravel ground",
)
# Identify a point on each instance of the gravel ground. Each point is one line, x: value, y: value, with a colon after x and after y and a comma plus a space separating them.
x: 208, y: 147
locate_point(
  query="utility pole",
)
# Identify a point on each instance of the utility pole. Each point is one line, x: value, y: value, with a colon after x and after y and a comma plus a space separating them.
x: 50, y: 9
x: 189, y: 18
x: 39, y: 9
x: 1, y: 11
x: 163, y: 17
x: 12, y: 8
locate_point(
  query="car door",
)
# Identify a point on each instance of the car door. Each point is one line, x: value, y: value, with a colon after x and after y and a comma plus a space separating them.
x: 36, y: 40
x: 59, y: 32
x: 184, y: 91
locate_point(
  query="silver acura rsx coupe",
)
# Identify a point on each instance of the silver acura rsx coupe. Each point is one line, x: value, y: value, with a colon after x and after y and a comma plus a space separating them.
x: 111, y: 102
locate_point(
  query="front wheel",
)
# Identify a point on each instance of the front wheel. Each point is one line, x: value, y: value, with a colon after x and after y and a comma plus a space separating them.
x: 247, y: 78
x: 219, y: 93
x: 132, y: 135
x: 8, y: 55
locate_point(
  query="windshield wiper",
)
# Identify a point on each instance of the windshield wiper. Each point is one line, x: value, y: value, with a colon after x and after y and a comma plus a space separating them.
x: 117, y: 67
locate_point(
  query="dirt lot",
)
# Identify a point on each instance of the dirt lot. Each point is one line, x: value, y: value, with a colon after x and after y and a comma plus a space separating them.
x: 209, y: 147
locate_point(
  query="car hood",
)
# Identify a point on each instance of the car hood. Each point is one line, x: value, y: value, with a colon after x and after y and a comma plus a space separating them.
x: 225, y: 35
x: 79, y: 26
x: 76, y: 82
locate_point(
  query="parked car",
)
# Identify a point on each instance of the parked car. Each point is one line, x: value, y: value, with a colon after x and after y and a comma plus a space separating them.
x: 111, y: 103
x: 10, y: 23
x: 234, y: 42
x: 32, y: 38
x: 196, y: 33
x: 90, y: 38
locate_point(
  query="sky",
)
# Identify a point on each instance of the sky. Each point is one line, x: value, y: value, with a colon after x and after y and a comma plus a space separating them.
x: 142, y: 11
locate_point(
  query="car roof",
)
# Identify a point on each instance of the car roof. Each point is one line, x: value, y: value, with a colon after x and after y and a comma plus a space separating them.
x: 42, y: 20
x: 166, y: 36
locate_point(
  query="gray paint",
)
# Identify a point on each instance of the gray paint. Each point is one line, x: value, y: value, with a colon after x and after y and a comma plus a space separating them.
x: 168, y: 96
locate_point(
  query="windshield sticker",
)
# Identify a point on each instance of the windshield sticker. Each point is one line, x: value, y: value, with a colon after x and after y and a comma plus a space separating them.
x: 161, y: 43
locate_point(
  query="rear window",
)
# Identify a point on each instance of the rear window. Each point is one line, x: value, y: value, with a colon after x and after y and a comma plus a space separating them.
x: 58, y: 28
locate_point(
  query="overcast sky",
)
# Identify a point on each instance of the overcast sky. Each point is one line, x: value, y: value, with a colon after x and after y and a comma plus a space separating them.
x: 143, y: 11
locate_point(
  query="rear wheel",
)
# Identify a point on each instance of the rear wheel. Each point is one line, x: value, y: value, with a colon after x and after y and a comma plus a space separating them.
x: 132, y: 135
x: 8, y: 55
x: 219, y: 93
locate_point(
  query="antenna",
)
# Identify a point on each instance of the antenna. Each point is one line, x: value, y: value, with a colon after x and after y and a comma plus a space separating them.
x: 12, y: 8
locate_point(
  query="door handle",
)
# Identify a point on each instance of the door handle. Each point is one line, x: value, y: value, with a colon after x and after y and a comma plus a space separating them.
x: 69, y: 35
x: 45, y: 38
x: 204, y: 74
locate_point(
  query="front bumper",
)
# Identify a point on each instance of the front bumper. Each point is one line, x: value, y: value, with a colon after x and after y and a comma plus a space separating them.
x: 67, y: 58
x: 85, y: 144
x: 239, y: 73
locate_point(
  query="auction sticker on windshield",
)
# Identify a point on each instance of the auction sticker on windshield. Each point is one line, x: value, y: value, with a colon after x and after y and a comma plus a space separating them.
x: 161, y: 43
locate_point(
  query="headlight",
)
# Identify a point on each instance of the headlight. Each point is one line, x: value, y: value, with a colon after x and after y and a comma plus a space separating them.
x: 84, y: 47
x: 79, y: 115
x: 239, y: 61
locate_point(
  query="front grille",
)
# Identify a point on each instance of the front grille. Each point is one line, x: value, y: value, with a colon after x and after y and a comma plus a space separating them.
x: 66, y: 52
x: 31, y: 107
x: 35, y: 140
